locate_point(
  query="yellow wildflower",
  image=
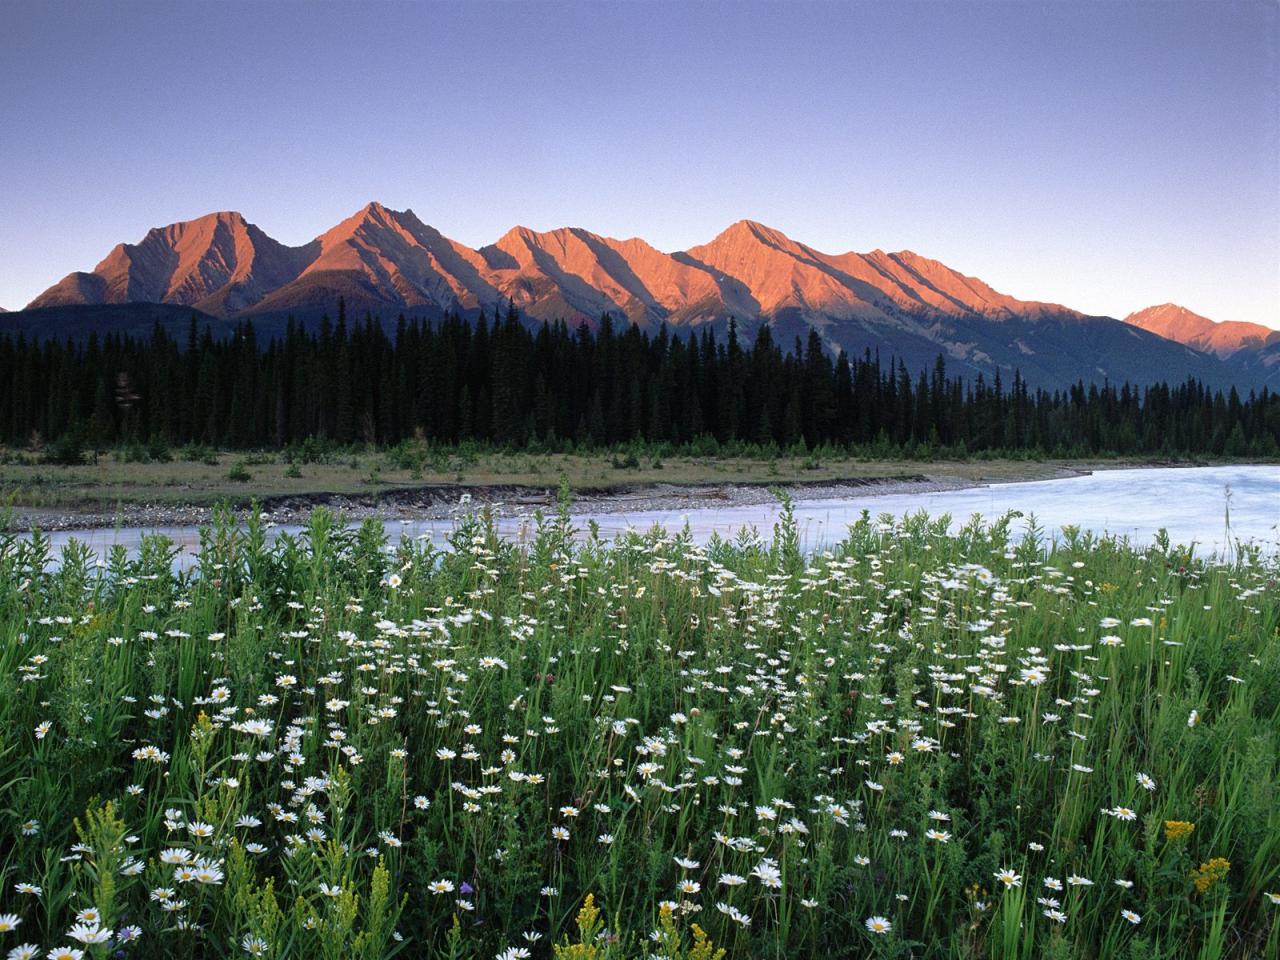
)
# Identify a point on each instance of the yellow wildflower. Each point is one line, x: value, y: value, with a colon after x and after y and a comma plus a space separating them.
x: 1210, y: 873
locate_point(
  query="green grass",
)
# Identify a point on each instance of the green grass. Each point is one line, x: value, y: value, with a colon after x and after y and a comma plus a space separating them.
x: 113, y: 479
x: 360, y: 748
x: 205, y: 483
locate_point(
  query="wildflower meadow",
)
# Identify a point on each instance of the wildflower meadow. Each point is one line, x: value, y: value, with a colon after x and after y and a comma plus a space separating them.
x: 918, y: 742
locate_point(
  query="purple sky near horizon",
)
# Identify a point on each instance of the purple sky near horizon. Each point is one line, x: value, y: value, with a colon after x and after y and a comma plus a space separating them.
x: 1108, y: 155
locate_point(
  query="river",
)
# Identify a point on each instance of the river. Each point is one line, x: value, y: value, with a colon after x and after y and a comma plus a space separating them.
x: 1193, y: 503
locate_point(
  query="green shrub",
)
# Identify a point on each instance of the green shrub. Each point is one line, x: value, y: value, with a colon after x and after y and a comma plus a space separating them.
x: 200, y: 453
x: 69, y: 450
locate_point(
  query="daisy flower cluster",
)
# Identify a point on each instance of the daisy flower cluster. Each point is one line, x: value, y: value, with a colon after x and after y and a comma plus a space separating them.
x: 326, y: 744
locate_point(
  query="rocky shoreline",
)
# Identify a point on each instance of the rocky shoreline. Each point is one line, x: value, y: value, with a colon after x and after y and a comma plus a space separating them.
x: 442, y: 501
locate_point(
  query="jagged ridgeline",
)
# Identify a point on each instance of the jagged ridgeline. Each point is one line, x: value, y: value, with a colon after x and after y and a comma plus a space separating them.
x: 507, y: 380
x: 388, y: 262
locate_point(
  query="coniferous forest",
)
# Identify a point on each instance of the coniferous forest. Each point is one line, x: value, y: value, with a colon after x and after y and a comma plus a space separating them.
x: 500, y: 381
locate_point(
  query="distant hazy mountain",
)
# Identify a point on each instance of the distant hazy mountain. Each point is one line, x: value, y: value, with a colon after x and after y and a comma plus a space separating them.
x: 1221, y: 337
x: 1252, y: 350
x: 389, y: 262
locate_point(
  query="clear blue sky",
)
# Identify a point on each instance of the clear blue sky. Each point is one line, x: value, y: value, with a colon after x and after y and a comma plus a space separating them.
x: 1107, y: 155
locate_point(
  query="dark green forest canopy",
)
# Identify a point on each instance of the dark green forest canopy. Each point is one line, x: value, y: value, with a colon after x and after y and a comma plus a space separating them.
x: 504, y: 381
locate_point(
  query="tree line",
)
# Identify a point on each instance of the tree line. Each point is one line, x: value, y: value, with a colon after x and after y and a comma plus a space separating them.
x: 505, y: 382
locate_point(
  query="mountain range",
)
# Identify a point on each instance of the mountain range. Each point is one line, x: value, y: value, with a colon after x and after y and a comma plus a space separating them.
x: 388, y: 262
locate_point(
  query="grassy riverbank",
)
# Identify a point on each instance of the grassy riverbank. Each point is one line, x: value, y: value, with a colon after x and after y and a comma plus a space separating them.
x: 212, y: 476
x: 334, y: 747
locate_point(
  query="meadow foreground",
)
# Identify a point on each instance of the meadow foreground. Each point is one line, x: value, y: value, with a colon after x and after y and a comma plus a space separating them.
x: 915, y: 744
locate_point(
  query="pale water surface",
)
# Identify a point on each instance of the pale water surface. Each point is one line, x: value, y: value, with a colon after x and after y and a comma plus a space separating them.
x: 1191, y: 503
